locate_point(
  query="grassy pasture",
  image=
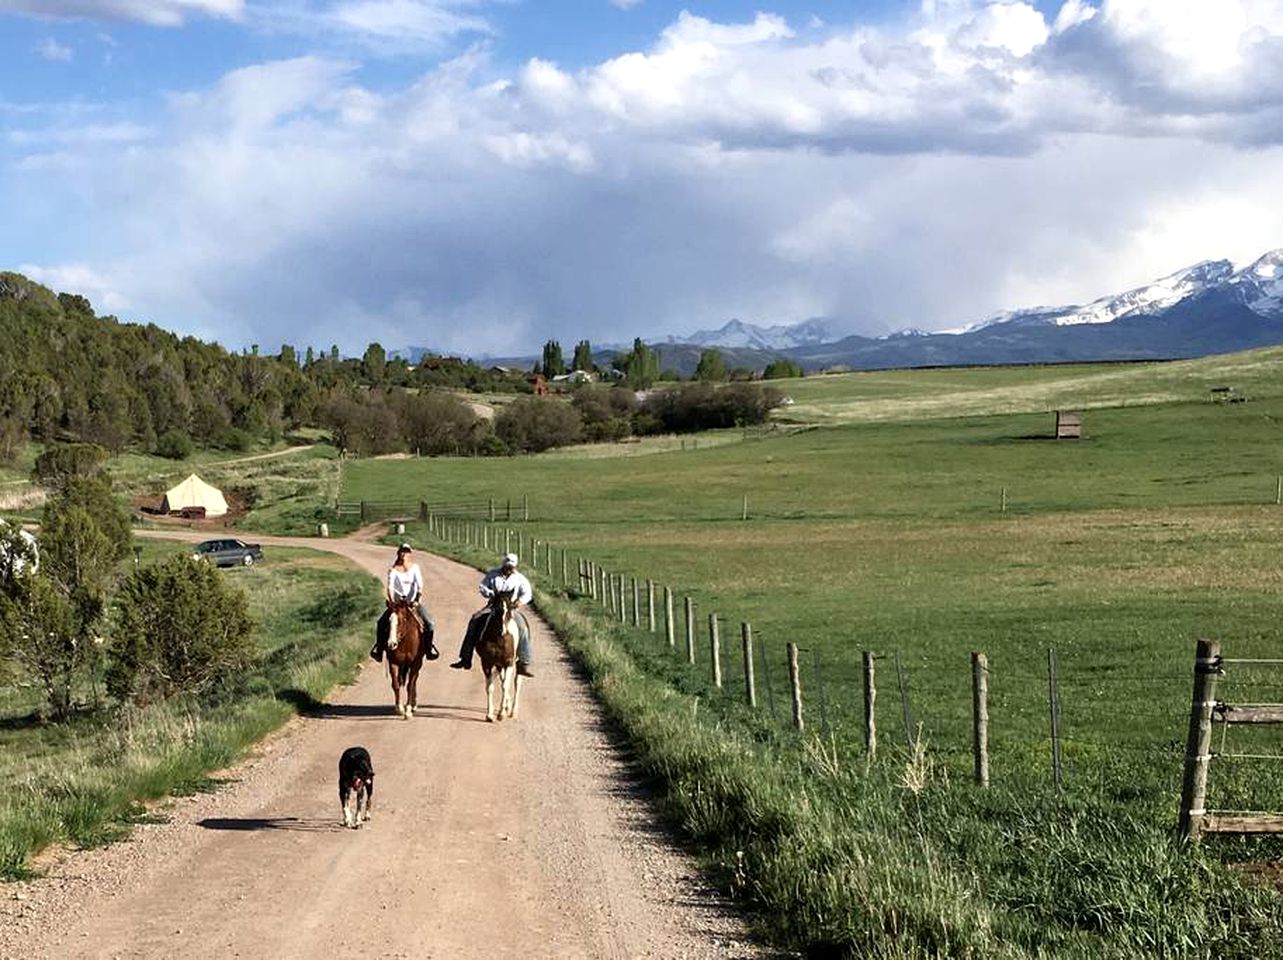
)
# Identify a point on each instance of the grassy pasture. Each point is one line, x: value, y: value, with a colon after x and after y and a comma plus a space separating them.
x: 83, y: 782
x: 919, y: 394
x: 882, y: 530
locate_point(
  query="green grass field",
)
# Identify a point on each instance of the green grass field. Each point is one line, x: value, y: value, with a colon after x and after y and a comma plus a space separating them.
x: 83, y: 782
x: 882, y: 529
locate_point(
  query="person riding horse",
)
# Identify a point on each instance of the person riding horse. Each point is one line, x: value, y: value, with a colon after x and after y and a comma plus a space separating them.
x: 404, y: 583
x: 502, y: 579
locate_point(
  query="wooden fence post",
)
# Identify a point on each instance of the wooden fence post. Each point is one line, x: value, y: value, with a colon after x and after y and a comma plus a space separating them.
x: 1207, y: 670
x: 795, y: 681
x: 690, y: 630
x: 715, y: 650
x: 670, y: 631
x: 650, y: 605
x: 564, y: 582
x: 980, y: 716
x: 1053, y: 705
x: 423, y: 510
x: 744, y: 514
x: 622, y: 610
x: 636, y: 604
x: 870, y: 703
x: 750, y: 682
x: 362, y: 509
x: 492, y: 509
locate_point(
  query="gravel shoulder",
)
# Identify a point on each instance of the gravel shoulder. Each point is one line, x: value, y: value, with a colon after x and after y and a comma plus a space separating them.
x: 521, y: 839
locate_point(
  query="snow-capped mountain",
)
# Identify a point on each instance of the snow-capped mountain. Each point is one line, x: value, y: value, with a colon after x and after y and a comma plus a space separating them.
x: 737, y: 333
x: 1261, y: 284
x: 1258, y: 286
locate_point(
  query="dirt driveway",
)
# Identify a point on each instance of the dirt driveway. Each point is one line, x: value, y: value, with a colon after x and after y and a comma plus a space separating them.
x: 523, y: 839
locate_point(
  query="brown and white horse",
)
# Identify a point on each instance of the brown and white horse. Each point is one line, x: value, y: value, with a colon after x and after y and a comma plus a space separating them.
x: 497, y: 647
x: 406, y: 650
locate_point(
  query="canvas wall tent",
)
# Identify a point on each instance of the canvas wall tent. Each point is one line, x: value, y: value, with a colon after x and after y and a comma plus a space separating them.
x: 195, y: 492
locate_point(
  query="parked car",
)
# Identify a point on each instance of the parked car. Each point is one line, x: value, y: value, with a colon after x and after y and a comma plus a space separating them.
x: 228, y: 553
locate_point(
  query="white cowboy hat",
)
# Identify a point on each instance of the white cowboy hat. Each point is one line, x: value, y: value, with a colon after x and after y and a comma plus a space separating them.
x: 509, y: 559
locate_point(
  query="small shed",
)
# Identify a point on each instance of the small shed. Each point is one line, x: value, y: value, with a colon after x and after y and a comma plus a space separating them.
x: 1069, y: 424
x: 192, y: 495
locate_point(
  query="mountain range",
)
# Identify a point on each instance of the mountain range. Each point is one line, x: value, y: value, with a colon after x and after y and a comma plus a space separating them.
x: 1207, y: 308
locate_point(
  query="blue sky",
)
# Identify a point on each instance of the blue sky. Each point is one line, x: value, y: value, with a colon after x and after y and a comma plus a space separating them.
x: 481, y: 174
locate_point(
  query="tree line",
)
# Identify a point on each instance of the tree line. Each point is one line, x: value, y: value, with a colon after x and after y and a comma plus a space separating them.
x: 70, y: 376
x: 67, y: 374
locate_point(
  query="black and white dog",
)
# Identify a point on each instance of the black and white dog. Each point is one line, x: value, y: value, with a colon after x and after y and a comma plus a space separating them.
x: 356, y: 776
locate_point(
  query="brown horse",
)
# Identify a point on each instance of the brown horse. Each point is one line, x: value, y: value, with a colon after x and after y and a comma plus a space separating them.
x: 405, y: 655
x: 497, y: 647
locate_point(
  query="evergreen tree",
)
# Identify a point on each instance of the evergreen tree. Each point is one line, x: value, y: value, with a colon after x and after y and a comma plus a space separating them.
x: 640, y: 366
x: 583, y: 357
x: 554, y: 365
x: 374, y: 363
x: 711, y: 367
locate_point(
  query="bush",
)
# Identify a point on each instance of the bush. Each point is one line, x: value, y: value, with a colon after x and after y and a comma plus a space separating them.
x: 39, y: 630
x: 702, y: 406
x: 235, y: 439
x: 65, y: 462
x: 175, y: 445
x: 606, y: 412
x: 179, y: 628
x: 782, y: 370
x: 533, y: 424
x: 438, y: 424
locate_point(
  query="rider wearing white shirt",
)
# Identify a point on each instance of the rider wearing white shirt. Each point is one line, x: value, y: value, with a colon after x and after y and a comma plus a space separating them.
x: 501, y: 579
x: 404, y: 583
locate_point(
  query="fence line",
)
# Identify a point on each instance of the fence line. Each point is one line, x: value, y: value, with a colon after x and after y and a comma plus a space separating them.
x: 610, y: 592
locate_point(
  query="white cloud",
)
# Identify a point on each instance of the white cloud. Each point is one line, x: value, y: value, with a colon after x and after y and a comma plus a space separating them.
x: 51, y: 49
x: 923, y: 174
x: 387, y: 27
x: 78, y: 278
x: 624, y: 4
x: 160, y: 13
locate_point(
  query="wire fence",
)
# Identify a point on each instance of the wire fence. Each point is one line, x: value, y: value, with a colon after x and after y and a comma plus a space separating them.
x: 1112, y: 728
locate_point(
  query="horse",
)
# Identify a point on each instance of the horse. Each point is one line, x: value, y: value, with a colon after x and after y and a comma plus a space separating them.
x: 406, y: 650
x: 497, y: 647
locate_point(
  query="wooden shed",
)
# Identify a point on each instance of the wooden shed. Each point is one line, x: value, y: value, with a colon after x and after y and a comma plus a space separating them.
x: 1069, y: 424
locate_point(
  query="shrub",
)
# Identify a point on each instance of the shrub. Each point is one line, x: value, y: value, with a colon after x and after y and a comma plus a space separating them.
x: 235, y: 439
x: 702, y: 406
x: 782, y: 370
x: 39, y: 628
x: 533, y: 424
x: 438, y: 424
x: 57, y: 466
x: 179, y: 628
x: 175, y: 445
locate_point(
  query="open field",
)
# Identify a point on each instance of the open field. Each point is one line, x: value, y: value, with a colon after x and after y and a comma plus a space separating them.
x: 1117, y: 552
x: 919, y: 394
x: 81, y: 782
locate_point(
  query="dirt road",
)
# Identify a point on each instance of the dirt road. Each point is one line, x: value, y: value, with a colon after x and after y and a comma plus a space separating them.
x: 522, y: 839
